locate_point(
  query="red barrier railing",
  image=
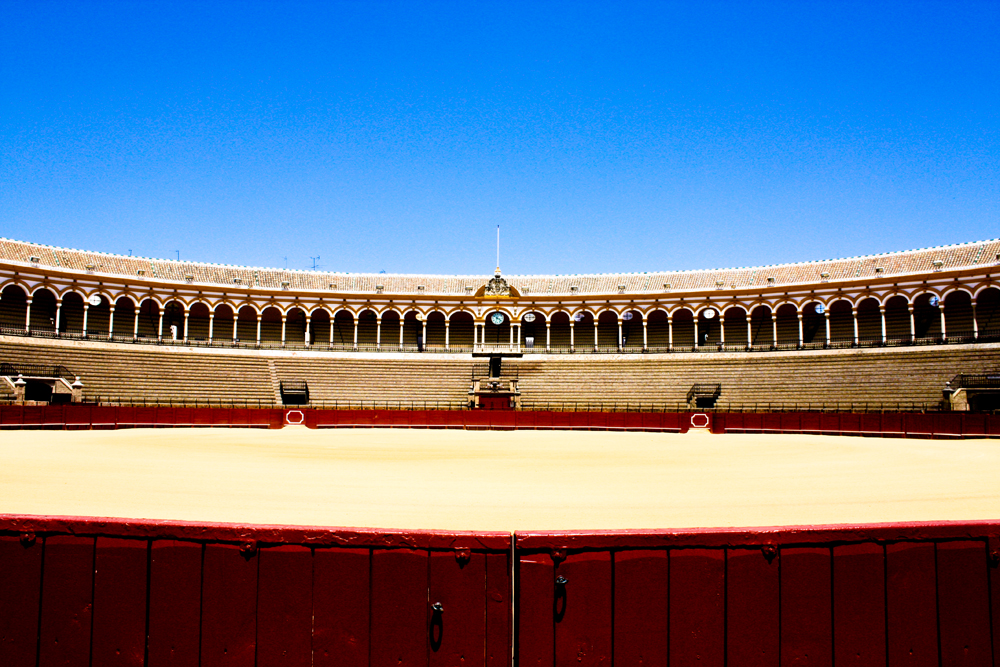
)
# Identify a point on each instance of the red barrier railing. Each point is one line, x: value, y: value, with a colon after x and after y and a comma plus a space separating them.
x: 913, y: 594
x: 116, y: 592
x: 906, y: 424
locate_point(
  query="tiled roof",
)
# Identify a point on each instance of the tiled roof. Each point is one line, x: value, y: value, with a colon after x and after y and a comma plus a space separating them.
x: 895, y: 263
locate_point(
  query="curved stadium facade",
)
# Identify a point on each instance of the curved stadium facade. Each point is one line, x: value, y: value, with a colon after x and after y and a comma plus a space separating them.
x: 875, y: 323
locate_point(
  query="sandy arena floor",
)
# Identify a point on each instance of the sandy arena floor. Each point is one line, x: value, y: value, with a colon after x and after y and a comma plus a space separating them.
x: 524, y: 480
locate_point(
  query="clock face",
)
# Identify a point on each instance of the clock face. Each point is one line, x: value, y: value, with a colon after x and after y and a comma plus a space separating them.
x: 497, y: 318
x: 94, y: 300
x: 530, y: 317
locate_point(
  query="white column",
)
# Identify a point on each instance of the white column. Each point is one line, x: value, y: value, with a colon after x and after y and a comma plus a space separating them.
x: 595, y: 334
x: 670, y: 332
x: 186, y: 313
x: 135, y: 325
x: 913, y: 323
x: 331, y: 333
x: 27, y: 315
x: 881, y: 310
x: 59, y: 316
x: 645, y: 339
x: 447, y: 334
x: 826, y: 316
x: 572, y: 347
x: 519, y: 335
x: 975, y: 324
x: 378, y: 333
x: 696, y: 341
x: 236, y: 321
x: 424, y: 332
x: 211, y: 326
x: 619, y: 333
x: 774, y: 328
x: 854, y: 316
x: 401, y: 320
x: 86, y: 309
x: 284, y: 321
x: 801, y: 336
x: 355, y: 333
x: 944, y: 333
x: 111, y: 321
x: 548, y: 335
x: 722, y: 328
x: 749, y: 331
x: 159, y: 328
x: 259, y: 317
x: 510, y: 332
x: 306, y: 334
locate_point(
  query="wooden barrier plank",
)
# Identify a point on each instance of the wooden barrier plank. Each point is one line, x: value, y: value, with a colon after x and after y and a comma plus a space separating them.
x: 119, y: 634
x: 284, y: 606
x: 811, y: 421
x: 752, y: 610
x: 859, y: 605
x: 535, y: 623
x: 399, y: 616
x: 341, y: 606
x: 67, y: 602
x: 911, y: 604
x: 229, y: 607
x: 641, y: 607
x: 174, y: 603
x: 963, y: 604
x: 829, y: 422
x: 805, y: 607
x: 498, y: 610
x: 947, y: 424
x: 20, y: 589
x: 583, y: 610
x: 457, y: 633
x: 697, y: 607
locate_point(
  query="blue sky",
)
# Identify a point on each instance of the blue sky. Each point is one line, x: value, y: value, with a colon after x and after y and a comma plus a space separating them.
x: 602, y: 137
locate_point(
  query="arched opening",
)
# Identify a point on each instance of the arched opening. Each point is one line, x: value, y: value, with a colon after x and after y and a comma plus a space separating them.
x: 497, y: 334
x: 435, y: 329
x: 98, y: 316
x: 788, y: 325
x: 709, y: 327
x: 367, y: 329
x: 632, y: 330
x: 897, y: 319
x: 198, y: 322
x: 246, y: 326
x: 43, y: 311
x: 391, y: 328
x: 683, y: 327
x: 988, y: 314
x: 607, y: 331
x: 584, y: 327
x: 270, y: 326
x: 927, y: 317
x: 657, y: 330
x: 761, y: 329
x: 558, y: 332
x: 295, y: 327
x: 343, y: 329
x: 71, y: 320
x: 734, y: 327
x: 13, y: 308
x: 813, y: 324
x: 149, y: 317
x: 869, y: 322
x: 841, y: 323
x: 958, y: 316
x: 319, y: 327
x: 532, y: 325
x: 461, y: 331
x: 224, y: 324
x: 413, y: 329
x: 124, y: 319
x: 173, y: 321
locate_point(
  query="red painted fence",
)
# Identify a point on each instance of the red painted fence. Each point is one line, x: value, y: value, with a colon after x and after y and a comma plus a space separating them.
x: 115, y: 592
x: 905, y: 594
x: 906, y: 424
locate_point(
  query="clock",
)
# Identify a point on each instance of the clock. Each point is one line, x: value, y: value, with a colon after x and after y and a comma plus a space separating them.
x: 497, y: 318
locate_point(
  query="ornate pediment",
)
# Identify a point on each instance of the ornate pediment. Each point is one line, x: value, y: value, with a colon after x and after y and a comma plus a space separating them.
x: 497, y: 288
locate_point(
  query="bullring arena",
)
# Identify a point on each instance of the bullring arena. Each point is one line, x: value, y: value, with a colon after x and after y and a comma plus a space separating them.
x: 207, y: 464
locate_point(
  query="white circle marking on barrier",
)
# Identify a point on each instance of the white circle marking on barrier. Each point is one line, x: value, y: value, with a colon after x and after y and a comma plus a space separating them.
x: 289, y: 420
x: 700, y: 417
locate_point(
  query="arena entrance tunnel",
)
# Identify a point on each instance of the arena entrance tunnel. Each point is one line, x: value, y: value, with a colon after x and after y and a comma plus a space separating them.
x: 110, y: 592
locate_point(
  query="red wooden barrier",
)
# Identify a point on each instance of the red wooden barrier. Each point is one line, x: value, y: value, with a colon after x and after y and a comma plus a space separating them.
x: 903, y: 594
x: 84, y: 591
